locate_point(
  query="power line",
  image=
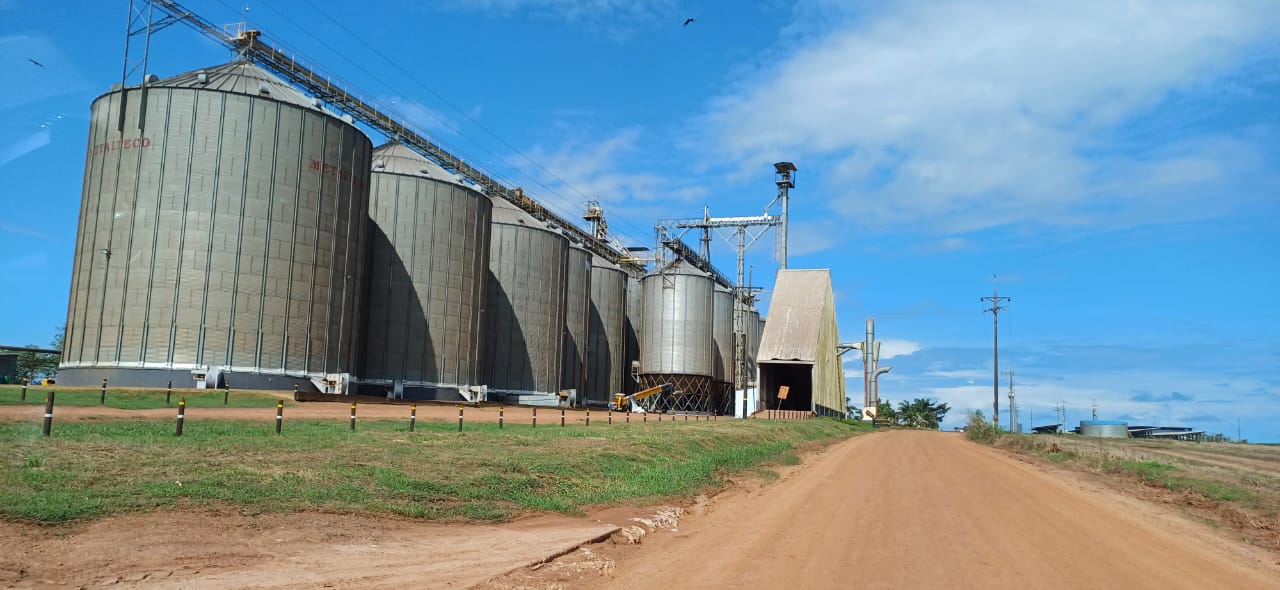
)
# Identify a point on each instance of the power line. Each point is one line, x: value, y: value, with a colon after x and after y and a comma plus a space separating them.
x: 456, y: 109
x: 570, y: 215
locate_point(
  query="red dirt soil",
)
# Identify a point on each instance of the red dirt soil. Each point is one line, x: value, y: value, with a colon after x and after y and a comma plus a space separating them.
x: 897, y: 509
x: 913, y: 509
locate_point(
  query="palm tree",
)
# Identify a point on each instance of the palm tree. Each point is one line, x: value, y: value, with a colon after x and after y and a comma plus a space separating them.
x: 921, y: 413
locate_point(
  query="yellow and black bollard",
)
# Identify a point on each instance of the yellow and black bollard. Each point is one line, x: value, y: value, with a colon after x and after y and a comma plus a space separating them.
x: 499, y: 417
x: 353, y: 417
x: 459, y: 418
x: 279, y: 415
x: 102, y: 399
x: 413, y: 416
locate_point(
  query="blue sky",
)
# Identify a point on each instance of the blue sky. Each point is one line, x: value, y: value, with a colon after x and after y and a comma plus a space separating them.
x: 1117, y: 164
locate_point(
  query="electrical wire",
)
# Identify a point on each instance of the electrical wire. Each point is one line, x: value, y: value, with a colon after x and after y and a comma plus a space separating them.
x: 501, y: 177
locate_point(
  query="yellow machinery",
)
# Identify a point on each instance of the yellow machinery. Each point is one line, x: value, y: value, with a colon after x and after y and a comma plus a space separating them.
x: 623, y: 402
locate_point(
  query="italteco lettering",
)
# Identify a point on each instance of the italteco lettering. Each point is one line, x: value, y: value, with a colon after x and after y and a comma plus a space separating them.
x: 338, y: 172
x: 135, y: 143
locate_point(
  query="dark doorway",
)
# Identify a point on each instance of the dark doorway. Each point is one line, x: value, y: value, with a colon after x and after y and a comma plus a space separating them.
x: 797, y: 377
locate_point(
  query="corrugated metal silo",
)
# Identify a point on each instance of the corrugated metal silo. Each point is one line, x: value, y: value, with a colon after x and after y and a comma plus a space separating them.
x: 677, y: 343
x: 573, y: 374
x: 222, y: 228
x: 754, y: 328
x: 722, y: 334
x: 429, y: 243
x: 525, y: 303
x: 634, y: 329
x: 1104, y: 428
x: 605, y: 331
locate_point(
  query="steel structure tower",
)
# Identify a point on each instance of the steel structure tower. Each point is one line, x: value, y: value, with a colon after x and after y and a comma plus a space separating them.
x: 741, y: 233
x: 250, y: 45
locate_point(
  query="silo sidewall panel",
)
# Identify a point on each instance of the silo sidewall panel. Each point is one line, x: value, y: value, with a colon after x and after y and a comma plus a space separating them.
x: 577, y: 306
x: 677, y: 331
x: 606, y: 333
x: 427, y: 276
x: 200, y: 206
x: 525, y: 309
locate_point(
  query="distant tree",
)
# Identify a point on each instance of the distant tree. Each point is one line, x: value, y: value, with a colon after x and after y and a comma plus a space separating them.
x: 36, y: 365
x: 885, y: 411
x: 922, y: 413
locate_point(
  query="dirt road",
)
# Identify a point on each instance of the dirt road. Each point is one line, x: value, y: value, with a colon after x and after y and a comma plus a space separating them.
x: 908, y: 509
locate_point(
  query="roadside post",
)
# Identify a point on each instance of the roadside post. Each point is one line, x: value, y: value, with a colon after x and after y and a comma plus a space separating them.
x: 48, y: 413
x: 279, y: 415
x: 182, y: 415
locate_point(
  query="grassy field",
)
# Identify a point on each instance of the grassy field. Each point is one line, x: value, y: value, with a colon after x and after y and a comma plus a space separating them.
x: 1225, y: 485
x: 137, y: 399
x: 95, y: 469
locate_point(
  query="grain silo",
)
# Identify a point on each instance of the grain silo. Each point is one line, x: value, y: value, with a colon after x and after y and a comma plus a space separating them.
x: 1104, y: 428
x: 606, y: 329
x: 677, y: 344
x: 525, y: 306
x: 573, y: 375
x: 221, y: 233
x: 754, y: 328
x: 429, y: 257
x: 722, y: 338
x: 634, y: 329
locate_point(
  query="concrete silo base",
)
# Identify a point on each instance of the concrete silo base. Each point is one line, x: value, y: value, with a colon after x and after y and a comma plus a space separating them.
x: 181, y: 378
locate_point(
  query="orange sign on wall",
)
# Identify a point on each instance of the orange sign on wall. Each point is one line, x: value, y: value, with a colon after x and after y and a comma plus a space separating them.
x: 783, y: 391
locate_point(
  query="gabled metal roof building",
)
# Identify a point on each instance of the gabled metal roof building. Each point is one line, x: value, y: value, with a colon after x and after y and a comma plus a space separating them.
x: 798, y: 347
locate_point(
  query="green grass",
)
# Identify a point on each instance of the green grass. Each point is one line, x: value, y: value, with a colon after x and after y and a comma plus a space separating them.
x: 136, y: 399
x: 1147, y: 470
x: 92, y: 469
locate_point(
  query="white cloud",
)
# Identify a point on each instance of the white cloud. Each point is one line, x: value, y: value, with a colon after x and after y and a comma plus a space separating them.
x: 892, y: 347
x: 618, y: 18
x: 977, y: 113
x: 598, y: 169
x: 22, y: 147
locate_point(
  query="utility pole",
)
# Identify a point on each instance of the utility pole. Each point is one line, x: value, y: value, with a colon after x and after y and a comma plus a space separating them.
x: 1013, y: 408
x: 995, y: 299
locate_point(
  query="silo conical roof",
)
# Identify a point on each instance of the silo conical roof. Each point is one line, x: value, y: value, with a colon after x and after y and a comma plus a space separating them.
x: 505, y: 211
x: 240, y: 77
x: 398, y: 158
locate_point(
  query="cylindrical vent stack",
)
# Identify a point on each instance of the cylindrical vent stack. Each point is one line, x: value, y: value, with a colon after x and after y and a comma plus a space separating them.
x: 429, y: 243
x: 577, y: 310
x: 525, y: 303
x: 677, y: 342
x: 222, y: 228
x: 606, y: 331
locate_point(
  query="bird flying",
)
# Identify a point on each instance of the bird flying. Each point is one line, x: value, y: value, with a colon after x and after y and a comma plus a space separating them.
x: 35, y: 62
x: 687, y: 21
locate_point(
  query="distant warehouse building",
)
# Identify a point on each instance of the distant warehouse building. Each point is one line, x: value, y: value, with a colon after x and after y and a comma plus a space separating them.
x: 798, y: 362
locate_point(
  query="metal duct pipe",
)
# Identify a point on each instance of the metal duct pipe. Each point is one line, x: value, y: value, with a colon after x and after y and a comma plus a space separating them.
x: 867, y: 351
x: 876, y: 382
